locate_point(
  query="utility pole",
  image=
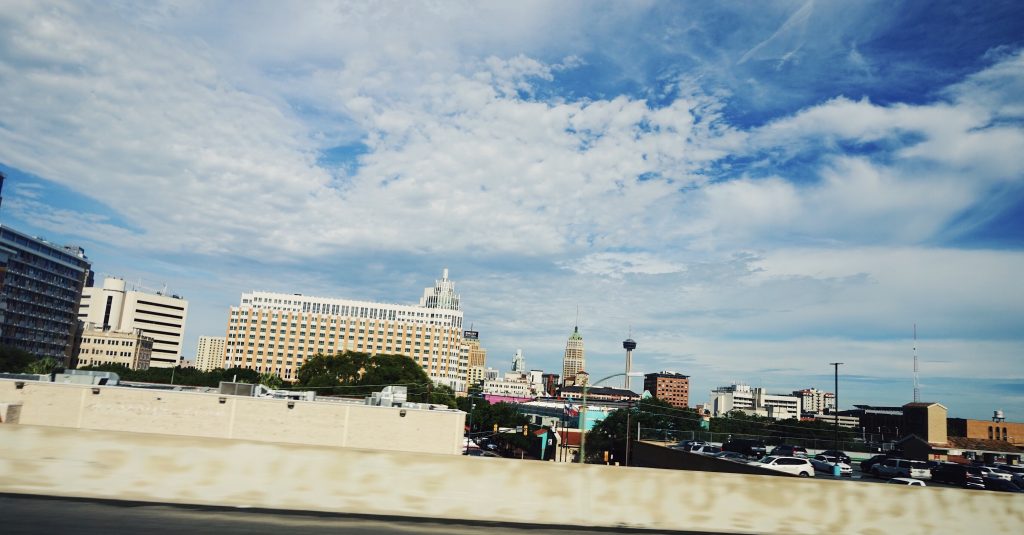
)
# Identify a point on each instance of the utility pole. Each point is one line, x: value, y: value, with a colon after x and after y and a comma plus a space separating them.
x: 835, y: 410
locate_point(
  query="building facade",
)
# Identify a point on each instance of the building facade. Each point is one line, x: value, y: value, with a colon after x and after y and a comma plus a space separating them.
x: 275, y: 333
x: 474, y: 356
x: 995, y: 429
x: 816, y: 401
x: 574, y: 360
x: 755, y: 401
x: 99, y: 346
x: 40, y: 286
x: 210, y: 353
x: 160, y: 317
x: 669, y: 386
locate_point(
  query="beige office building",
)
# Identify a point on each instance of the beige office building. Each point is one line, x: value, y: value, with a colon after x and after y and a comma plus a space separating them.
x: 160, y: 317
x: 210, y: 353
x: 97, y: 347
x: 574, y: 361
x: 276, y: 333
x: 475, y: 357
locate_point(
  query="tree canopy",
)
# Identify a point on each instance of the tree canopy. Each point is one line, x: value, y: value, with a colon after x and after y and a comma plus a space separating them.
x: 355, y: 374
x: 610, y: 433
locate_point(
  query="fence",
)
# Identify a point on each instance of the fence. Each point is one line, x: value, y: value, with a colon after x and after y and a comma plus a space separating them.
x: 865, y: 444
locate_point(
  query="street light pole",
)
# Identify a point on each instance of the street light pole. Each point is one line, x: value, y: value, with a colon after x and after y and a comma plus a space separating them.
x: 469, y: 434
x: 835, y: 411
x: 583, y: 411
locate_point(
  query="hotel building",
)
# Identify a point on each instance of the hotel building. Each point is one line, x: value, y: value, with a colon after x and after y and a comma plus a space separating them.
x: 475, y: 357
x: 276, y: 333
x: 160, y: 317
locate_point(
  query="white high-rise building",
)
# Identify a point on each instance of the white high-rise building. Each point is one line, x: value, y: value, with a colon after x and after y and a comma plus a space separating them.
x: 519, y: 362
x: 160, y: 317
x: 815, y: 401
x: 755, y: 401
x: 210, y: 353
x: 276, y: 333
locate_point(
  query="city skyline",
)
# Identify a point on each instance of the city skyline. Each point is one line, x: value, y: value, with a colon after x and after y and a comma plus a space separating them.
x: 756, y: 190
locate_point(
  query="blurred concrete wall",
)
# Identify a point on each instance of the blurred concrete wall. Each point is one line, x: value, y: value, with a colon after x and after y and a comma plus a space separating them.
x: 216, y: 471
x: 213, y: 415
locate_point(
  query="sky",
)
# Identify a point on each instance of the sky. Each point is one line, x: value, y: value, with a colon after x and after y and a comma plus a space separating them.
x: 751, y: 190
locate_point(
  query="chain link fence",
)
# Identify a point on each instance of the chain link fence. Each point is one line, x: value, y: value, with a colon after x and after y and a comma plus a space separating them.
x: 865, y: 444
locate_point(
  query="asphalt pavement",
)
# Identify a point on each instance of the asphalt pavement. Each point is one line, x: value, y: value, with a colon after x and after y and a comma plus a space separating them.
x: 40, y: 514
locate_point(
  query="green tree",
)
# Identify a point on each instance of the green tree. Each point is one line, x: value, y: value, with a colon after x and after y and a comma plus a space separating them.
x: 43, y: 366
x: 14, y: 360
x: 271, y: 381
x: 610, y: 433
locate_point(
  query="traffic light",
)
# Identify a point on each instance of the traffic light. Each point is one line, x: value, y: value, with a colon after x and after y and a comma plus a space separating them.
x: 605, y: 457
x: 526, y: 429
x: 495, y: 428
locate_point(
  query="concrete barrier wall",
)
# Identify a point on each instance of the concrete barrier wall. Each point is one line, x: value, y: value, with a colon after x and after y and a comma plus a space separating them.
x: 213, y: 415
x: 215, y: 471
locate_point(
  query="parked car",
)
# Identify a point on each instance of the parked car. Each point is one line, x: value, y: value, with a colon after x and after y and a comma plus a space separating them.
x: 706, y: 449
x: 1011, y: 468
x: 824, y: 464
x: 994, y: 473
x: 688, y: 445
x: 730, y: 456
x: 909, y: 481
x: 797, y: 466
x: 786, y: 450
x: 901, y: 468
x: 958, y: 474
x: 481, y: 453
x: 843, y: 457
x: 1002, y: 485
x: 746, y: 446
x: 867, y: 465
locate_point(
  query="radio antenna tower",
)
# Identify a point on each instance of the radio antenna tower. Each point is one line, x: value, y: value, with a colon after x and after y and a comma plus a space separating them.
x: 917, y: 385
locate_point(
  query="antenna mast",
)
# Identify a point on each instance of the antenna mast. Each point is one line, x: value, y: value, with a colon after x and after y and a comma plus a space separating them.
x: 917, y: 385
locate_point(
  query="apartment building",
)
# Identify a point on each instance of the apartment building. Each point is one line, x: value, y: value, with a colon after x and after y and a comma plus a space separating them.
x: 814, y: 401
x: 98, y: 346
x: 210, y: 353
x: 276, y: 333
x: 669, y: 386
x: 161, y: 317
x: 40, y: 286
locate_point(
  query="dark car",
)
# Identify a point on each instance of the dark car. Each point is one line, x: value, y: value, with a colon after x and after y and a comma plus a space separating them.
x: 959, y: 474
x: 867, y: 464
x: 787, y: 450
x: 1002, y: 485
x: 745, y: 446
x: 843, y: 457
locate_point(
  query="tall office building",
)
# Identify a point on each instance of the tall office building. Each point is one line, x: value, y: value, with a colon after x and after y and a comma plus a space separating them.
x: 475, y: 357
x: 40, y: 285
x: 276, y: 333
x: 519, y: 362
x: 210, y: 353
x: 573, y: 362
x: 160, y: 317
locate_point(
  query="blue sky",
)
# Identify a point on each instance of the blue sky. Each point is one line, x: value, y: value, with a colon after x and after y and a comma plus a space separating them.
x: 755, y: 189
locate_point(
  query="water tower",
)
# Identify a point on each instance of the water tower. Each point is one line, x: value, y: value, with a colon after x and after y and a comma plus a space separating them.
x: 629, y: 345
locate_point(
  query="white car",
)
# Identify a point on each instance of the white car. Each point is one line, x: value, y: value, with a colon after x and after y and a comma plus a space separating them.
x: 908, y: 481
x: 989, y: 472
x: 902, y: 468
x: 797, y: 466
x: 706, y: 449
x: 825, y: 463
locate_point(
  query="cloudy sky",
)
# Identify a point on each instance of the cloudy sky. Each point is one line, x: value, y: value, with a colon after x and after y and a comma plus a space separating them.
x: 755, y: 189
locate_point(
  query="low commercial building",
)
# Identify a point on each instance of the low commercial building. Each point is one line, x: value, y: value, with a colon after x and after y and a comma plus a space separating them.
x: 599, y: 393
x: 128, y: 348
x: 927, y: 438
x: 669, y: 386
x: 995, y: 429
